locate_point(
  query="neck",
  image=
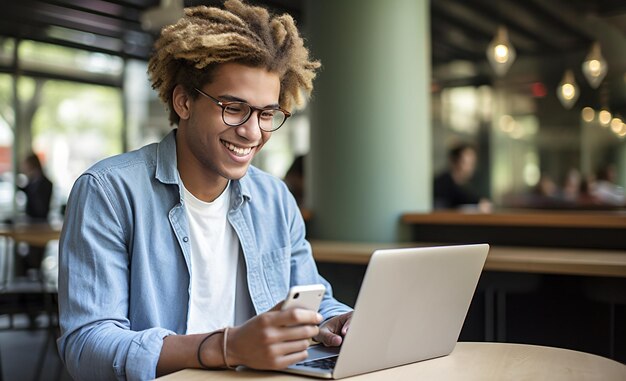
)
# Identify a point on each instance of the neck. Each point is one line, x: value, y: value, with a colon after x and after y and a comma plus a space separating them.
x: 205, y: 188
x: 204, y: 185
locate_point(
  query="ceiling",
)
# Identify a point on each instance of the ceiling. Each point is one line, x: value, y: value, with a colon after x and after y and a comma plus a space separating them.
x: 549, y: 36
x: 536, y: 27
x: 108, y: 26
x: 542, y: 31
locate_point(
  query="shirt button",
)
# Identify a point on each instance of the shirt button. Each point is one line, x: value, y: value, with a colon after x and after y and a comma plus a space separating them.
x: 185, y: 239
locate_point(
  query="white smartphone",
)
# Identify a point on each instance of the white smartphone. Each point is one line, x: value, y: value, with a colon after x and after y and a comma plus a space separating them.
x: 308, y: 297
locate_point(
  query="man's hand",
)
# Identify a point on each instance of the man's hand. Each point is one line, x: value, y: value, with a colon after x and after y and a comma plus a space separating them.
x: 333, y: 330
x: 274, y: 339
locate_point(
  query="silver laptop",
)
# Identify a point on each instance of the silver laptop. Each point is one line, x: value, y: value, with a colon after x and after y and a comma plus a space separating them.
x: 411, y: 307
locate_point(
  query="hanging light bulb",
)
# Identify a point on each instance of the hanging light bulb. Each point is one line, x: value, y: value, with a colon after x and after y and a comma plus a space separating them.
x: 588, y: 114
x: 594, y: 66
x: 616, y: 125
x: 622, y: 131
x: 500, y: 52
x: 604, y: 117
x: 567, y: 92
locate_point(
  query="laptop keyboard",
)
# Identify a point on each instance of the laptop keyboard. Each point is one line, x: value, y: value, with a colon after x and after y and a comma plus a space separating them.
x: 327, y: 363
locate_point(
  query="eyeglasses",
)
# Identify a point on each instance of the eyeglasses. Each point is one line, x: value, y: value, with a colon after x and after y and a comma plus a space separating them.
x: 237, y: 113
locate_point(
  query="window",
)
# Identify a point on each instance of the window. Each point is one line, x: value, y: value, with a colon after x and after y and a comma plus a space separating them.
x: 7, y: 119
x: 74, y: 126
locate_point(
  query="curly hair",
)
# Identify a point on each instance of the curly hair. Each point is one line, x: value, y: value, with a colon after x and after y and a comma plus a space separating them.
x: 187, y: 52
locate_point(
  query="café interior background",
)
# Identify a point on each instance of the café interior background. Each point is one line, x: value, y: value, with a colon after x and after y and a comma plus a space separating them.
x: 74, y: 89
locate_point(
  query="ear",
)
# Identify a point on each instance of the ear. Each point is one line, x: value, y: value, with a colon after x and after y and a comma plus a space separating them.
x: 181, y: 102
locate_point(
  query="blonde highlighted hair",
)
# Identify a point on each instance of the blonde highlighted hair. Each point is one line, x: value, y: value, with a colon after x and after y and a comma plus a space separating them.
x: 187, y: 52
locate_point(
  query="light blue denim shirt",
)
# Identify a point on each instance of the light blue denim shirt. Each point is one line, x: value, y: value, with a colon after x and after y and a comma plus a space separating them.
x: 125, y: 259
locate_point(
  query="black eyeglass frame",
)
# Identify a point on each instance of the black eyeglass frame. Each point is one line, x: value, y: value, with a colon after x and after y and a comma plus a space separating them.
x: 225, y: 104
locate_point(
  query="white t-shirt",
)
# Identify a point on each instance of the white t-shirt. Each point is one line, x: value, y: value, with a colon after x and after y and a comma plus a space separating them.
x: 214, y: 261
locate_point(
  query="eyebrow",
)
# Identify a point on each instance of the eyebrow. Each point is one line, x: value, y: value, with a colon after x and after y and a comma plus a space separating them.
x: 232, y: 98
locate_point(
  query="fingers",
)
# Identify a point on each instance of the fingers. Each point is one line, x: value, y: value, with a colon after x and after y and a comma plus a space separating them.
x: 289, y: 325
x: 296, y: 316
x: 274, y: 339
x: 285, y: 334
x: 290, y: 352
x: 284, y: 360
x: 292, y: 358
x: 271, y: 353
x: 268, y: 347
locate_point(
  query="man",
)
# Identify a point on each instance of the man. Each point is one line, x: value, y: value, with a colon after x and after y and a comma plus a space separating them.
x: 450, y: 189
x: 165, y: 247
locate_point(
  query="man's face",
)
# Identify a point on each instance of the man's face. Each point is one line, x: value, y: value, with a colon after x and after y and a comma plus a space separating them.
x: 218, y: 151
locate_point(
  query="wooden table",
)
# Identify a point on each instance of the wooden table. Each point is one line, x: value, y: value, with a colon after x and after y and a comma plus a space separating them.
x: 37, y: 235
x: 540, y: 228
x: 468, y: 361
x: 532, y: 218
x: 32, y: 234
x: 586, y: 262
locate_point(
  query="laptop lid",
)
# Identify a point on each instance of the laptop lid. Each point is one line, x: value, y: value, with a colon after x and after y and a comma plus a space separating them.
x: 411, y: 307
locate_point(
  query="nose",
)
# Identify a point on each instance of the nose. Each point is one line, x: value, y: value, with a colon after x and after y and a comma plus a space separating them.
x: 250, y: 130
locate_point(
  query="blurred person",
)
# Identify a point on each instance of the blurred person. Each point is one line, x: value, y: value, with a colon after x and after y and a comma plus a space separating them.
x: 545, y: 194
x: 585, y: 196
x: 294, y: 178
x: 451, y: 189
x: 605, y: 188
x: 546, y: 188
x: 572, y: 186
x: 38, y: 189
x: 179, y: 254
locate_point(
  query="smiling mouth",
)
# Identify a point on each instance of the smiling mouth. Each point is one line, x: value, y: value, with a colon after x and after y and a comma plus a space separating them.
x: 239, y: 151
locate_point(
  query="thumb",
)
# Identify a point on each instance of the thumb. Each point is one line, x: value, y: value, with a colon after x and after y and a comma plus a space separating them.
x: 345, y: 328
x: 328, y: 338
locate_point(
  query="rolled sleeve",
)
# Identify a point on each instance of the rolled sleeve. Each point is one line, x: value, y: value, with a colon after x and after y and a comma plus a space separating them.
x: 144, y: 353
x: 109, y: 352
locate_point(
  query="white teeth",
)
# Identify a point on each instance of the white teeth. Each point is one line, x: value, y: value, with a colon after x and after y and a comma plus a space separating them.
x: 239, y: 151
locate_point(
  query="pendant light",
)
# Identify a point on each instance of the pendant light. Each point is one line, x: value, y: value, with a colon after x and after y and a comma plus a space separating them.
x: 588, y: 114
x: 594, y: 66
x: 616, y: 125
x: 605, y: 117
x: 567, y: 92
x: 500, y: 52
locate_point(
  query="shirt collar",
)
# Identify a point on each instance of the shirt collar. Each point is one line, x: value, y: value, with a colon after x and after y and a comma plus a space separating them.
x: 166, y: 164
x: 242, y: 188
x: 167, y: 170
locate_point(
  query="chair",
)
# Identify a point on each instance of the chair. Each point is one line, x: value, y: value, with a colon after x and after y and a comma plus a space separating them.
x: 34, y: 295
